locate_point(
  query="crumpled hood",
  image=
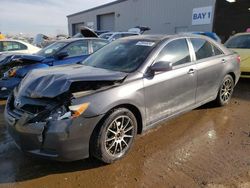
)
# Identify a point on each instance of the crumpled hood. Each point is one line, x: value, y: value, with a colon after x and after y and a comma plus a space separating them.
x: 29, y: 57
x: 51, y: 82
x: 4, y: 58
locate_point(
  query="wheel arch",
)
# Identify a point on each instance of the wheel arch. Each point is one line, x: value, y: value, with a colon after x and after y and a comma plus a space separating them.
x: 134, y: 109
x: 227, y: 73
x: 136, y: 113
x: 233, y: 76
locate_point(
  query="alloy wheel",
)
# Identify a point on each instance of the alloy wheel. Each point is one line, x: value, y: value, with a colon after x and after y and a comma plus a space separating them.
x: 226, y: 90
x: 119, y: 136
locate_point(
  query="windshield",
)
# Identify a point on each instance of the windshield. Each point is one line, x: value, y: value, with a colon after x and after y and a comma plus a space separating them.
x: 52, y: 49
x: 242, y: 41
x: 121, y: 55
x: 105, y: 35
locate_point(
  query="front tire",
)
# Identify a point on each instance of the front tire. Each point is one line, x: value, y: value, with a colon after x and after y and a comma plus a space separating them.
x: 226, y: 91
x: 114, y: 137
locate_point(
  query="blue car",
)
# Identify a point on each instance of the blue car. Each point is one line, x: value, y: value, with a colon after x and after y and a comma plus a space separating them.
x: 13, y: 68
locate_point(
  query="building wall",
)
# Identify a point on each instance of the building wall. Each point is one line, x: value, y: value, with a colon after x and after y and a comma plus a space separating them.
x: 162, y: 16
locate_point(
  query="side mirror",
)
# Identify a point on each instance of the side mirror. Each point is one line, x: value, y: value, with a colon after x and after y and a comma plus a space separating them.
x: 62, y: 55
x: 161, y: 66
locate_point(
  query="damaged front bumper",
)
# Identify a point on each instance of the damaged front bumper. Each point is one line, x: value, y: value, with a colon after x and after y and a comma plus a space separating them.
x: 62, y: 140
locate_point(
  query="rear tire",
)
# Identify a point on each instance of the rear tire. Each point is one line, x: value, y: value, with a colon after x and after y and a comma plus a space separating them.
x: 114, y: 137
x: 226, y: 91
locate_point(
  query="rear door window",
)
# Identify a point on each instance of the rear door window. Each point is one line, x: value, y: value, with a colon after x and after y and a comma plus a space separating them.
x: 204, y: 49
x: 217, y: 51
x: 175, y: 52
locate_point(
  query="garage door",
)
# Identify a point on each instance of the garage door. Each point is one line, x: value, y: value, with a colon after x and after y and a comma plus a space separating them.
x: 107, y: 22
x: 76, y: 28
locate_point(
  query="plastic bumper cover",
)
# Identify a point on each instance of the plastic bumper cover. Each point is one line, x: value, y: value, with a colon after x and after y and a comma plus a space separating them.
x: 64, y: 140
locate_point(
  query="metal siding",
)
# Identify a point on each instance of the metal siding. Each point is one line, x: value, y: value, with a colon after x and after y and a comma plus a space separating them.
x: 163, y: 16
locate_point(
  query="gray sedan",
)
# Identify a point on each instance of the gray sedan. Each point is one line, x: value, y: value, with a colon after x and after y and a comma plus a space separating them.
x: 96, y: 108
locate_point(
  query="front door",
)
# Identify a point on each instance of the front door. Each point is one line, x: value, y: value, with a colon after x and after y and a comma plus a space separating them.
x: 170, y: 92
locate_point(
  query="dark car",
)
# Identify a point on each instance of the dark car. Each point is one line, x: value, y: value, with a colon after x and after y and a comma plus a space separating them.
x: 13, y: 68
x: 96, y: 108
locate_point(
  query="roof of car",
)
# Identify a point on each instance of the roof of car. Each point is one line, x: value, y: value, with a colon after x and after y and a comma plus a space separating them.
x: 20, y: 41
x: 122, y: 32
x: 12, y: 40
x: 77, y: 39
x: 245, y: 33
x: 163, y: 37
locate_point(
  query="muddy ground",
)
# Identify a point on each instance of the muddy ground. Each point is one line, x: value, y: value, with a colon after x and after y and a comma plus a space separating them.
x: 207, y: 147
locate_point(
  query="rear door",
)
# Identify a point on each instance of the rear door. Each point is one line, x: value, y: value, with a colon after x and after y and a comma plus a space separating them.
x: 171, y: 92
x: 210, y: 61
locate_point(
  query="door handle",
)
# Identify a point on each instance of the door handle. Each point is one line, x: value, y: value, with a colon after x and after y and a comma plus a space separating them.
x: 223, y: 60
x: 191, y: 71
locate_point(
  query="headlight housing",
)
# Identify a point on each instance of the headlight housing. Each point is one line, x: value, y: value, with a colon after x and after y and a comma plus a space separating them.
x: 78, y: 110
x: 12, y: 72
x: 72, y: 112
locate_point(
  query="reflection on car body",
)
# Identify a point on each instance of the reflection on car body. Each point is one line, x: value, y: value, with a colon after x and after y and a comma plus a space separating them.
x: 96, y: 108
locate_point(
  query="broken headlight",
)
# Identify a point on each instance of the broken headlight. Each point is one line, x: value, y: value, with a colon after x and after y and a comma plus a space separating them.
x: 11, y: 72
x: 78, y: 110
x: 70, y: 113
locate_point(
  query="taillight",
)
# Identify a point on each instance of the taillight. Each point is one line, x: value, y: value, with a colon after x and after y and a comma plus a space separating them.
x: 238, y: 59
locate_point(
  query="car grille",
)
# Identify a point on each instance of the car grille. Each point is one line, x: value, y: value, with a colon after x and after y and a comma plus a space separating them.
x: 32, y: 110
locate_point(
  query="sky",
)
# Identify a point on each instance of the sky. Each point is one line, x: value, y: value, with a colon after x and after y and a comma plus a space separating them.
x: 40, y: 16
